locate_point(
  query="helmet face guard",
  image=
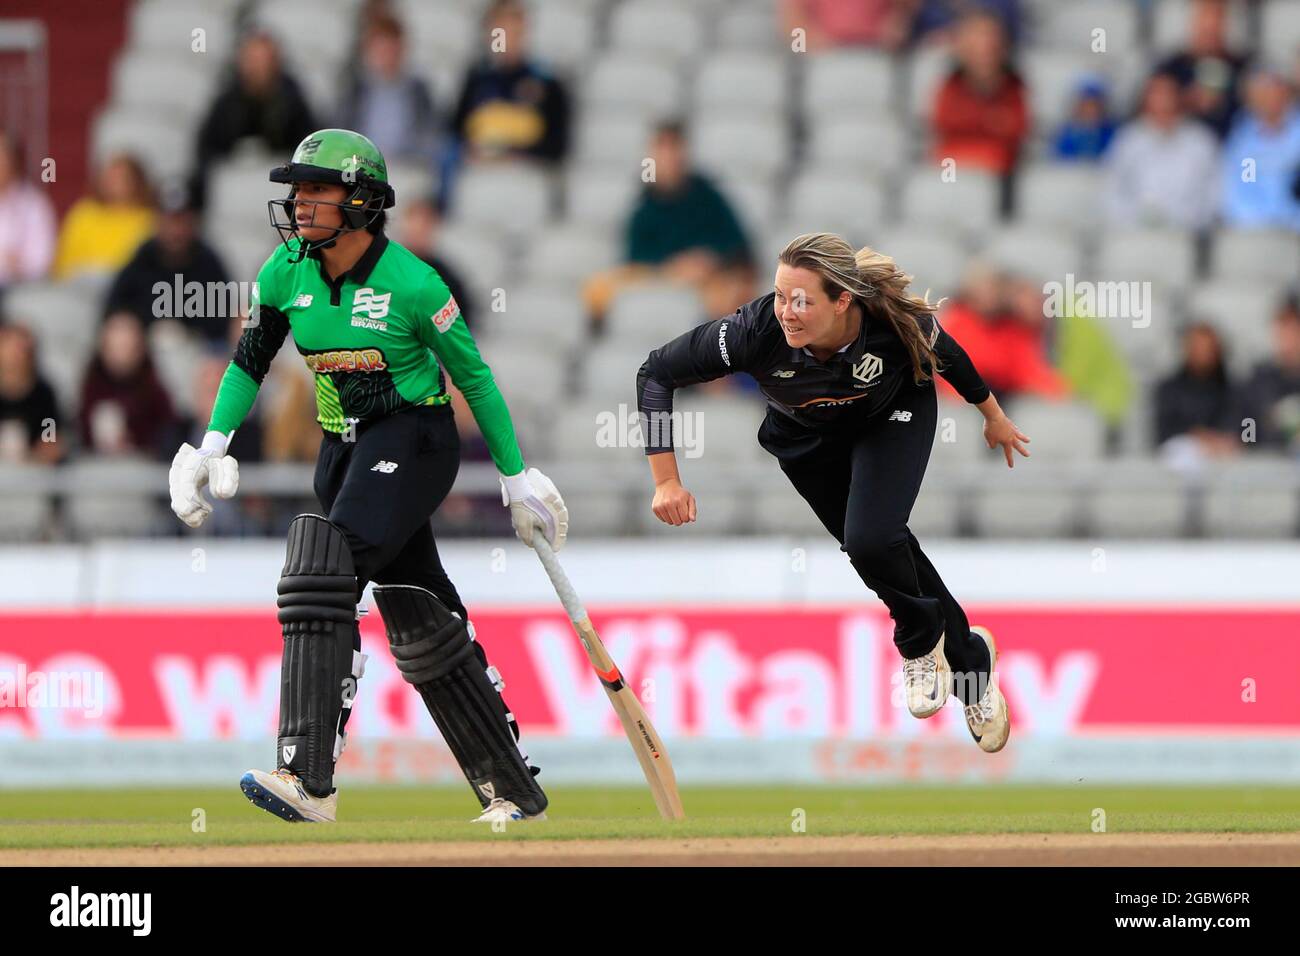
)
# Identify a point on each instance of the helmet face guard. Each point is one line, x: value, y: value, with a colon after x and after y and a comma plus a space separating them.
x: 359, y: 209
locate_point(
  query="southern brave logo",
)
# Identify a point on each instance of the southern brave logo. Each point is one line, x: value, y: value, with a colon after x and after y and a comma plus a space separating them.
x: 868, y: 369
x: 367, y: 303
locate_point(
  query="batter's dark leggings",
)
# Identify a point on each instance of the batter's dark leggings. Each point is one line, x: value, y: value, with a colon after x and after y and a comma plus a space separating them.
x: 863, y: 491
x: 382, y: 488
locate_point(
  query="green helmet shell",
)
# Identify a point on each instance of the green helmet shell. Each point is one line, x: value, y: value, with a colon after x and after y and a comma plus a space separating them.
x: 338, y: 156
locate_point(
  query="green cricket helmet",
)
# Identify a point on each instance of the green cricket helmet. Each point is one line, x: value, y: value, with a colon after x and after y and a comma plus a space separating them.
x: 332, y: 156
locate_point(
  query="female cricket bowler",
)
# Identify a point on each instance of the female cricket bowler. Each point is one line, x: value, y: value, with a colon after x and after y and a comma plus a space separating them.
x: 372, y: 322
x: 845, y: 356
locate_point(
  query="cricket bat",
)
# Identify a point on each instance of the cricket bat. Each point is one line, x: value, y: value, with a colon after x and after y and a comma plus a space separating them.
x: 641, y: 734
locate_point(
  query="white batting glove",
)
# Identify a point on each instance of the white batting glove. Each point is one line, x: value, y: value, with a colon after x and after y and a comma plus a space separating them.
x: 535, y: 505
x: 193, y: 468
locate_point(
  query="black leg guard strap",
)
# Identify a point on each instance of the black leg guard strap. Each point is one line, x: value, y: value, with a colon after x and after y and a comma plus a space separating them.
x: 434, y: 652
x: 317, y: 614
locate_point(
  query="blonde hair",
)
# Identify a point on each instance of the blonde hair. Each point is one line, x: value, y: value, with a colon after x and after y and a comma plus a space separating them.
x: 876, y: 284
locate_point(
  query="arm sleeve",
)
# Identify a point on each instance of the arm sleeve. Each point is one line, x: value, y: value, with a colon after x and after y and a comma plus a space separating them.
x: 257, y: 346
x: 956, y: 367
x: 706, y: 352
x: 441, y: 327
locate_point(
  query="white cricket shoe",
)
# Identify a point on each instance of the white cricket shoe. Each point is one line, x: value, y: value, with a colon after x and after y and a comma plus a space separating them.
x: 282, y: 793
x: 501, y: 810
x: 927, y: 680
x: 987, y: 718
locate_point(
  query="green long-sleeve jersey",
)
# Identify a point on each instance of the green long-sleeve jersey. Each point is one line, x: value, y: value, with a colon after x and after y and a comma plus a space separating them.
x: 374, y: 338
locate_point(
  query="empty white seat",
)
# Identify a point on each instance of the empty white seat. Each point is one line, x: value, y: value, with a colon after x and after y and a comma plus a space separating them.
x: 116, y: 497
x: 718, y: 429
x: 181, y: 83
x: 1156, y: 255
x: 479, y: 256
x: 752, y: 198
x: 1255, y: 495
x: 1001, y: 508
x: 1059, y: 194
x: 725, y: 143
x: 968, y: 203
x: 644, y: 84
x: 601, y: 196
x: 609, y: 368
x: 1059, y: 431
x: 25, y: 515
x: 856, y: 143
x: 563, y: 34
x: 924, y: 73
x: 1262, y: 255
x: 847, y: 81
x: 935, y: 261
x: 1067, y: 27
x: 566, y: 253
x: 534, y: 378
x: 515, y: 198
x: 1279, y: 30
x: 541, y: 316
x: 742, y: 79
x: 169, y: 26
x: 853, y: 206
x: 663, y: 27
x: 653, y: 312
x: 162, y: 140
x: 308, y: 30
x: 612, y: 138
x: 749, y: 26
x: 442, y: 30
x: 1039, y: 254
x: 1137, y: 497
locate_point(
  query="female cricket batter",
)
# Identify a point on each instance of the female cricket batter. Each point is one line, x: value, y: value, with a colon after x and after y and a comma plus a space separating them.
x: 845, y: 356
x: 372, y: 322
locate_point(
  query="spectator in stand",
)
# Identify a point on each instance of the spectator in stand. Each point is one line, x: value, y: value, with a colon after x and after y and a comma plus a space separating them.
x: 1009, y: 347
x: 27, y: 228
x: 418, y: 231
x: 246, y: 441
x: 1265, y: 142
x: 175, y: 253
x: 934, y: 21
x: 260, y: 101
x: 1161, y: 167
x: 1207, y: 72
x: 828, y: 24
x: 1080, y: 349
x: 386, y: 102
x: 1272, y: 394
x: 681, y: 230
x: 510, y: 106
x: 29, y: 413
x: 102, y: 231
x: 1198, y: 408
x: 981, y: 112
x: 125, y: 410
x: 1087, y: 133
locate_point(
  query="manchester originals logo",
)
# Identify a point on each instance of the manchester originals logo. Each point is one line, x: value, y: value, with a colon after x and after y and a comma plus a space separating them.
x: 868, y: 369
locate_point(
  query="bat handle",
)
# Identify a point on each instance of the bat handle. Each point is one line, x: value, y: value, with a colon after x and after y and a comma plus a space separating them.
x: 559, y: 580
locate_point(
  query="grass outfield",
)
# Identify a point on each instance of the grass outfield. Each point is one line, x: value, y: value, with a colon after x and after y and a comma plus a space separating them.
x: 134, y: 818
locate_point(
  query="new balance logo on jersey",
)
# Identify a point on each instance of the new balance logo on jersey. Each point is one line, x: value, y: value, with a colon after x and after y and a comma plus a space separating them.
x: 783, y: 373
x: 387, y: 467
x: 303, y: 300
x: 367, y: 303
x: 900, y: 416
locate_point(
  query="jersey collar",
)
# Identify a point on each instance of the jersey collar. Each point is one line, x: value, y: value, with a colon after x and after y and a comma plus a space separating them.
x: 362, y: 268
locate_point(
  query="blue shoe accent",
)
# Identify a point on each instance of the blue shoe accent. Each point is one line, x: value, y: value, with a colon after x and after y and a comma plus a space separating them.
x: 259, y: 796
